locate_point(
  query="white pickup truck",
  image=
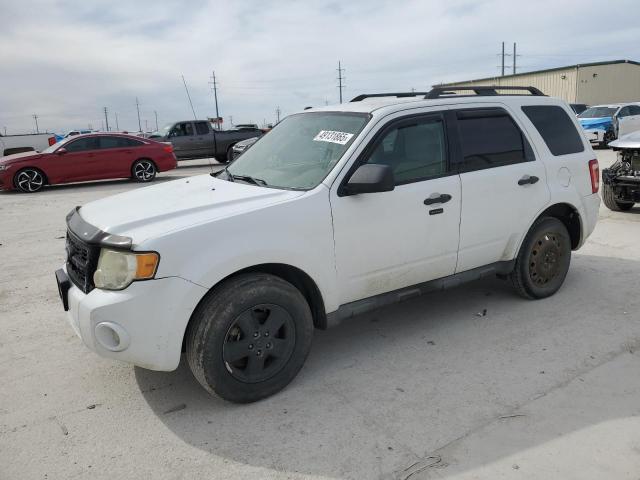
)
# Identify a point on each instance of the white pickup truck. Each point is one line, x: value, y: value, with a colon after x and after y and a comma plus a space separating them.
x: 10, y: 144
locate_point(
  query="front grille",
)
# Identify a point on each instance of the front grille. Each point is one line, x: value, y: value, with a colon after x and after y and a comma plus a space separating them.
x: 82, y: 261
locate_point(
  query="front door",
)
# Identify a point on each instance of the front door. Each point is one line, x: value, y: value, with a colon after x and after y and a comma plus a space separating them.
x: 183, y: 140
x: 390, y: 240
x: 79, y: 161
x: 504, y: 186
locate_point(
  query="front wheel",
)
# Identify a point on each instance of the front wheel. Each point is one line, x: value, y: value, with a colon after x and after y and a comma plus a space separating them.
x: 249, y: 337
x: 29, y: 180
x: 144, y: 170
x: 543, y: 260
x: 609, y: 199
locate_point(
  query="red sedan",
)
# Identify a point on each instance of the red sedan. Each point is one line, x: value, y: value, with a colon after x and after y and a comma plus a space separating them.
x: 87, y: 157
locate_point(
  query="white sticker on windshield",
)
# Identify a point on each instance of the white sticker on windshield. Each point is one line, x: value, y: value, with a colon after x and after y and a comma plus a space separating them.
x: 334, y: 137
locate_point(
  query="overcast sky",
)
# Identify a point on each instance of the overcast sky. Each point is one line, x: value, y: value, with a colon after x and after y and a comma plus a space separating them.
x: 66, y: 60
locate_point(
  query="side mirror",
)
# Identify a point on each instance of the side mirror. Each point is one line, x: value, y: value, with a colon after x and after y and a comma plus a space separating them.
x: 61, y: 151
x: 370, y: 178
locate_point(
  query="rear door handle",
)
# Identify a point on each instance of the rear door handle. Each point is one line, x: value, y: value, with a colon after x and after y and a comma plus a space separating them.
x: 437, y: 198
x: 528, y: 180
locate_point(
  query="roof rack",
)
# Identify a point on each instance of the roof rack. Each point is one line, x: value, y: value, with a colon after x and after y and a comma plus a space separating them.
x: 397, y: 94
x: 439, y: 92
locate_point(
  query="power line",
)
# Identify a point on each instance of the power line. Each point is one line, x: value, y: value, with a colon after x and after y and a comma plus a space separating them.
x: 138, y: 110
x: 215, y: 95
x: 340, y: 79
x: 189, y: 97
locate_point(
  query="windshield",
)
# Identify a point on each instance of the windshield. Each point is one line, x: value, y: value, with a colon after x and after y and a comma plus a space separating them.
x: 598, y: 112
x: 163, y: 132
x: 56, y: 146
x: 301, y: 150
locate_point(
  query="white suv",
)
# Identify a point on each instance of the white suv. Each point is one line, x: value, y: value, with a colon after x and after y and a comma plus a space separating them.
x: 338, y: 210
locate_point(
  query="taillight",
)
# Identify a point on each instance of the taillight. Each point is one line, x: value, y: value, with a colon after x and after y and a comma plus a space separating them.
x: 594, y: 171
x: 168, y: 148
x: 52, y: 141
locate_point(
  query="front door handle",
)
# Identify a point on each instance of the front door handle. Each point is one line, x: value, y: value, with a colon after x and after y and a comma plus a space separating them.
x: 528, y: 180
x: 437, y: 198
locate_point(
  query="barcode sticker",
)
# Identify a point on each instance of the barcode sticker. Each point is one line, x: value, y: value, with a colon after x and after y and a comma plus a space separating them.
x: 334, y: 137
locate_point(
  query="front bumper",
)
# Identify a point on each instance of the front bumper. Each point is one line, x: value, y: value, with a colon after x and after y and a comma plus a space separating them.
x: 143, y: 324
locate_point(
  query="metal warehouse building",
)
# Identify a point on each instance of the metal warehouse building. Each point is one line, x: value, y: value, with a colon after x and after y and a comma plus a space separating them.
x: 590, y: 83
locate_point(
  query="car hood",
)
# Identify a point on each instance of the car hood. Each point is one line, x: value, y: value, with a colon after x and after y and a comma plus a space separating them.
x: 631, y: 140
x: 157, y: 210
x: 596, y: 123
x: 18, y: 157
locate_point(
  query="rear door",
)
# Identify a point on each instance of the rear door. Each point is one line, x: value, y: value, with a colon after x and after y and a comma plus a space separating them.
x: 504, y: 185
x: 183, y: 138
x: 114, y: 157
x: 204, y: 139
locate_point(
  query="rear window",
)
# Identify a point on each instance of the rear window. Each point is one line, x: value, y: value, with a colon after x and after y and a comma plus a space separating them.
x: 556, y: 128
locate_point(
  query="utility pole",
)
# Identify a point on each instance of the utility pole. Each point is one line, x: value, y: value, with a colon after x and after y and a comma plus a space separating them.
x: 5, y: 131
x: 214, y: 85
x: 146, y: 126
x: 189, y: 97
x: 138, y: 109
x: 35, y: 117
x: 156, y: 114
x: 502, y: 74
x: 106, y: 118
x: 340, y: 79
x: 231, y: 120
x: 278, y: 115
x: 117, y: 126
x: 514, y: 58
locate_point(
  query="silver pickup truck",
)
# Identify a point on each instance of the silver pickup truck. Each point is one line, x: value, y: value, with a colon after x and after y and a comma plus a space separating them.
x: 198, y: 139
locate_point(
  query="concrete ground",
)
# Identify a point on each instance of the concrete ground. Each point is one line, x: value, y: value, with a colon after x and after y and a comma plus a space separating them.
x: 430, y: 388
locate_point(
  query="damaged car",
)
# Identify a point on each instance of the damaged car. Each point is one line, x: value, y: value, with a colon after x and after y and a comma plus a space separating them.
x: 604, y: 123
x: 621, y: 181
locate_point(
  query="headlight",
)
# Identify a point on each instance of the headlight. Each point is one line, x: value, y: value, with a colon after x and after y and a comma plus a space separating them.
x: 117, y: 269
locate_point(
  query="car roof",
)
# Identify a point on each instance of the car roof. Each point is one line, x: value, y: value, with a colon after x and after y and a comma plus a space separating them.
x: 380, y: 106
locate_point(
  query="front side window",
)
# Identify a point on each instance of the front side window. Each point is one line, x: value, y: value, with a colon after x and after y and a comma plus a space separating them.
x: 414, y: 151
x: 183, y: 130
x: 624, y: 112
x: 634, y: 109
x: 490, y: 138
x: 300, y: 151
x: 82, y: 144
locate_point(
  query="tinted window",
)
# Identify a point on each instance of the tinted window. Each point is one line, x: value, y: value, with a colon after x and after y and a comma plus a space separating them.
x: 111, y: 142
x: 634, y: 109
x: 202, y: 128
x: 556, y: 128
x: 414, y: 152
x: 130, y: 142
x: 489, y: 138
x: 624, y: 112
x: 82, y: 144
x: 183, y: 130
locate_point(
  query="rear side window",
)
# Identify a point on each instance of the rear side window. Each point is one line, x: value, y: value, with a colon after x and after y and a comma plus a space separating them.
x: 201, y: 128
x: 82, y: 144
x: 490, y: 138
x: 556, y: 128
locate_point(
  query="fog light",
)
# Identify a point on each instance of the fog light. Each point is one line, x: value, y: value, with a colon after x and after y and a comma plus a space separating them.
x: 111, y: 336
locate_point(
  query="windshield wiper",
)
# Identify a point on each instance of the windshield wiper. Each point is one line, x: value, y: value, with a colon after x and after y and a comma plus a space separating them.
x: 246, y: 178
x: 216, y: 174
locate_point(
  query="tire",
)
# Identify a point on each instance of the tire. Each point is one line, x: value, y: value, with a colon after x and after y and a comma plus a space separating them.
x: 29, y: 180
x: 543, y: 260
x: 609, y: 199
x: 144, y: 170
x: 249, y: 337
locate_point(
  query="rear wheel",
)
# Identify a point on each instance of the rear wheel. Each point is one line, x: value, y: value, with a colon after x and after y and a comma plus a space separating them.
x: 543, y: 261
x: 249, y: 337
x: 609, y: 199
x: 144, y: 170
x: 29, y: 180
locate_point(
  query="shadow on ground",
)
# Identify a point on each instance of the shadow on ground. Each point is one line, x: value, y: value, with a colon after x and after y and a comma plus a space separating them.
x: 387, y: 389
